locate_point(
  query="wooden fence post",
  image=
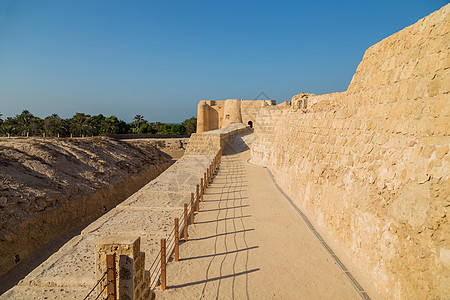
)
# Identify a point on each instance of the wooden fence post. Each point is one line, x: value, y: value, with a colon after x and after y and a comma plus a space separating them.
x: 163, y: 264
x: 185, y: 222
x: 111, y: 276
x: 192, y: 208
x: 198, y: 193
x: 201, y: 189
x: 177, y: 241
x: 197, y: 205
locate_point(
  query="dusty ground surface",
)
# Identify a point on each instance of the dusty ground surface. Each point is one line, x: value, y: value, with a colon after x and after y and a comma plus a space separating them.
x: 249, y: 243
x: 38, y: 176
x: 173, y: 148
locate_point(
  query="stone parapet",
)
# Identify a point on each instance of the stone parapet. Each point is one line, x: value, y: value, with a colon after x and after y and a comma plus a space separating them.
x: 210, y: 142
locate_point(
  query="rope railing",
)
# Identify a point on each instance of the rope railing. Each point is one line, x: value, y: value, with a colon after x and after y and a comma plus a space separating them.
x: 101, y: 292
x: 169, y: 244
x: 110, y: 275
x: 98, y: 282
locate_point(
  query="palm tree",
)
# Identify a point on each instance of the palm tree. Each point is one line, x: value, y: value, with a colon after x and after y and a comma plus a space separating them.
x: 36, y: 126
x: 110, y: 124
x: 139, y: 119
x: 9, y: 127
x: 53, y: 125
x: 80, y: 123
x: 24, y: 122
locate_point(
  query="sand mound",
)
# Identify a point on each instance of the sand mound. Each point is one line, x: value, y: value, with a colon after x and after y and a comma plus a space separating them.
x: 38, y: 176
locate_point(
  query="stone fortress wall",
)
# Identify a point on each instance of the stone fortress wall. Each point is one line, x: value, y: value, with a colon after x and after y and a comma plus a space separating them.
x: 209, y: 143
x: 217, y: 114
x: 370, y: 166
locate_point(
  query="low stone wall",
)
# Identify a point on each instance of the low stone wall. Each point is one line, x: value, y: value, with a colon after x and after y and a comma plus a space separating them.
x: 371, y: 166
x: 210, y: 142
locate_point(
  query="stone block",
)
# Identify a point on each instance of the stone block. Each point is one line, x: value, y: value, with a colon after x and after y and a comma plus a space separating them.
x: 127, y: 250
x: 72, y: 265
x: 134, y: 222
x: 435, y: 85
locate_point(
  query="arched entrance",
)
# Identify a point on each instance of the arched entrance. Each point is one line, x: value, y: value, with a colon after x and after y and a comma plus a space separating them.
x: 250, y: 123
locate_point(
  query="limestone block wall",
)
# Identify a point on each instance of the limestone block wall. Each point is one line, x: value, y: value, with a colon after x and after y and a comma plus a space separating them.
x: 249, y: 110
x: 210, y: 115
x: 232, y: 112
x: 209, y: 143
x: 217, y: 114
x: 371, y: 166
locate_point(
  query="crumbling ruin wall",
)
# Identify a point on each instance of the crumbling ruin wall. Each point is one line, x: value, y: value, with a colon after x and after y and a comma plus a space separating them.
x: 371, y: 166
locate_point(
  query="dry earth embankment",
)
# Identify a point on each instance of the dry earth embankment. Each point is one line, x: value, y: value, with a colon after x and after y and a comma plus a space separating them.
x: 49, y: 186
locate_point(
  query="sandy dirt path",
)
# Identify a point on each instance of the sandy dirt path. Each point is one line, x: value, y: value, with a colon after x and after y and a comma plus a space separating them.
x: 249, y: 243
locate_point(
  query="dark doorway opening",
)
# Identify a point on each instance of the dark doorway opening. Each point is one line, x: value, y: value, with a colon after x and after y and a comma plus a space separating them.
x: 250, y: 123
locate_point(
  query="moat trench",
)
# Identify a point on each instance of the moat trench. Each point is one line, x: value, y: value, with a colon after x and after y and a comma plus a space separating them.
x: 38, y: 238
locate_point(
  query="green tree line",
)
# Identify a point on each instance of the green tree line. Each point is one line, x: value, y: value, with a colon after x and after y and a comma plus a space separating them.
x: 80, y: 125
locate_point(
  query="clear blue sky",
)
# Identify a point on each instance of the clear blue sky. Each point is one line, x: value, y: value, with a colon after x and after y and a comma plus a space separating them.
x: 159, y: 58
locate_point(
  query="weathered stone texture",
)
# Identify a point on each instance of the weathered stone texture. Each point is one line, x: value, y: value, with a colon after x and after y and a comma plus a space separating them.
x: 130, y: 262
x: 213, y: 115
x: 209, y: 143
x: 371, y: 166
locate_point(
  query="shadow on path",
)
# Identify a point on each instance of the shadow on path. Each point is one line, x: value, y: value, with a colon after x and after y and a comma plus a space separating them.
x: 223, y: 253
x: 220, y: 234
x: 214, y: 279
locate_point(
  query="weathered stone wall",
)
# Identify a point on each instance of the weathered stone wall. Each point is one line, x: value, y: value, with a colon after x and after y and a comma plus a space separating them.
x: 210, y: 115
x: 250, y: 109
x: 209, y: 143
x: 213, y: 115
x: 371, y: 166
x: 232, y: 112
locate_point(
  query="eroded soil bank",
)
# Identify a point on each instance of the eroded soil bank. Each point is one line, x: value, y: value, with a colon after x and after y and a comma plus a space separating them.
x: 49, y: 186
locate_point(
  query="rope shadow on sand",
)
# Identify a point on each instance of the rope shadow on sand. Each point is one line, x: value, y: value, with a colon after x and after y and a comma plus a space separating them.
x: 209, y: 194
x: 223, y: 219
x: 213, y: 279
x: 218, y: 254
x: 224, y: 208
x: 220, y: 234
x: 207, y: 201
